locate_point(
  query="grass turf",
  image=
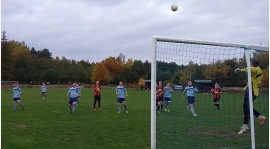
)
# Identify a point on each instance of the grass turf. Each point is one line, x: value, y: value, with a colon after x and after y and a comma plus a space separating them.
x: 212, y: 129
x: 47, y: 123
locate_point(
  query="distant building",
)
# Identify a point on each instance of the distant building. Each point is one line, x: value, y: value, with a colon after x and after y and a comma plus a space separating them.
x: 204, y: 85
x: 178, y: 87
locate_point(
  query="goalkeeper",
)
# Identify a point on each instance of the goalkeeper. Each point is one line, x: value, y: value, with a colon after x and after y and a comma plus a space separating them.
x: 256, y: 76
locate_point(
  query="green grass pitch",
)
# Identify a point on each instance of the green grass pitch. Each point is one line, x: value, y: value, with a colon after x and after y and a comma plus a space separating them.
x: 212, y: 129
x: 47, y: 123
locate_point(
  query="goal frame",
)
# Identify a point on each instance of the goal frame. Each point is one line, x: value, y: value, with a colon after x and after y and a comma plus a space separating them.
x: 247, y: 49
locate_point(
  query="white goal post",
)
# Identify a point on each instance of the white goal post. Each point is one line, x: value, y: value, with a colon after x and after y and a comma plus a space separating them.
x: 154, y: 60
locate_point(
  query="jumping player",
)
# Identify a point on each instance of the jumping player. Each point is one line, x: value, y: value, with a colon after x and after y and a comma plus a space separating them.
x: 256, y: 77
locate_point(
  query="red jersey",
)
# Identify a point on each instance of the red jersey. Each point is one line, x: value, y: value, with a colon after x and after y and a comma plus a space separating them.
x: 216, y: 95
x: 160, y: 90
x: 97, y: 90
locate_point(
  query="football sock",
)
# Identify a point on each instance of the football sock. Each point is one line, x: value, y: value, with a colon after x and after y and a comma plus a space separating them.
x: 161, y: 106
x: 73, y: 109
x: 158, y: 107
x: 14, y: 106
x: 119, y: 108
x: 192, y: 110
x: 21, y: 104
x: 125, y: 107
x: 169, y: 106
x: 218, y: 105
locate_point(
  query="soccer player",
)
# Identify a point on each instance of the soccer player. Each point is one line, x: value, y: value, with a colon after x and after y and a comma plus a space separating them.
x: 78, y: 88
x: 6, y: 87
x: 190, y: 90
x: 43, y: 90
x: 121, y: 91
x: 160, y: 89
x: 158, y: 102
x: 168, y: 96
x: 256, y: 77
x: 73, y: 93
x: 17, y: 96
x: 216, y: 92
x: 97, y: 97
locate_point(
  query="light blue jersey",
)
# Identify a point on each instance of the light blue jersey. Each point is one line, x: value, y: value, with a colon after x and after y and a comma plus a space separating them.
x: 43, y: 88
x: 17, y: 92
x: 190, y: 90
x: 73, y: 93
x: 167, y: 92
x: 78, y: 89
x: 121, y: 90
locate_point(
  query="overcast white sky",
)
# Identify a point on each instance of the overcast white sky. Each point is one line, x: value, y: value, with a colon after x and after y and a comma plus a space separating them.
x: 96, y: 29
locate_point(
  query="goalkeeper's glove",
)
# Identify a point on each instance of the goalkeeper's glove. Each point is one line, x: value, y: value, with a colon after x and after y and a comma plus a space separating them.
x: 237, y: 70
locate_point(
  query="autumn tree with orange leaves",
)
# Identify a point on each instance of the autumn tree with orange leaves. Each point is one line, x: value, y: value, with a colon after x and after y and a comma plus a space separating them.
x: 113, y: 65
x: 100, y: 73
x: 141, y: 82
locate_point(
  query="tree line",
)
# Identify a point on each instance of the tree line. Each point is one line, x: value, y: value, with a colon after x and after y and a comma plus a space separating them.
x: 26, y: 65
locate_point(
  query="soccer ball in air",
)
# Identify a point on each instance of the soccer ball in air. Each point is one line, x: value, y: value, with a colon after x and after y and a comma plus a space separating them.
x: 174, y: 7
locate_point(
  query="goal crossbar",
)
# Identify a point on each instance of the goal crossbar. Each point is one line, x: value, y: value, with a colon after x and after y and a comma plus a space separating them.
x: 254, y: 47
